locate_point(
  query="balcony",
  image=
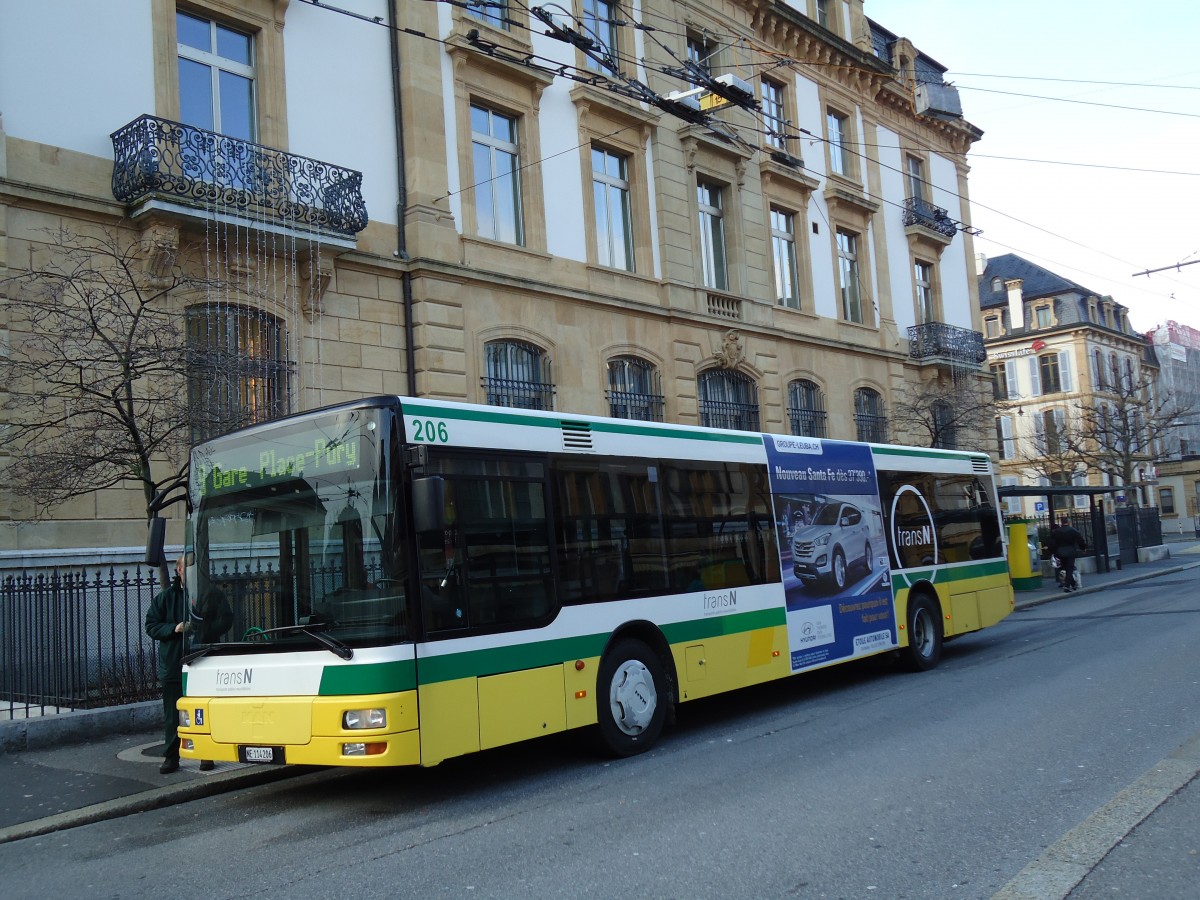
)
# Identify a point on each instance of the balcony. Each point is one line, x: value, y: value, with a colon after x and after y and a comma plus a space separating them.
x: 923, y: 214
x: 158, y: 163
x: 938, y: 342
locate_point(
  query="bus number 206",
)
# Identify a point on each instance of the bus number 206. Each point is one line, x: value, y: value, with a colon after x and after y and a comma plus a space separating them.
x: 430, y: 432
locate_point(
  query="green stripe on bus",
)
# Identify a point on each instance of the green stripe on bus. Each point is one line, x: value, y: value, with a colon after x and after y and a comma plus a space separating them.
x: 717, y: 626
x: 930, y: 454
x: 901, y: 581
x: 496, y: 660
x: 615, y: 427
x: 369, y: 678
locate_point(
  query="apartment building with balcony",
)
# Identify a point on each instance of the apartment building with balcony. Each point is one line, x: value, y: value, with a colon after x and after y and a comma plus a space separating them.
x: 541, y: 207
x: 1054, y: 348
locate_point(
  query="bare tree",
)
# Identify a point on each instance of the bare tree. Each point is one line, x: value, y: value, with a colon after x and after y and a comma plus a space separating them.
x: 956, y: 413
x: 1124, y: 430
x: 1052, y: 453
x: 95, y: 381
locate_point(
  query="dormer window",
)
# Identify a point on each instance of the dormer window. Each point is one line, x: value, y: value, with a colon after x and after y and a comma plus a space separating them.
x: 997, y: 284
x: 1043, y: 317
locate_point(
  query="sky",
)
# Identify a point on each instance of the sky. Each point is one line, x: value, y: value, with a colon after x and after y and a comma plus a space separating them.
x: 1090, y: 211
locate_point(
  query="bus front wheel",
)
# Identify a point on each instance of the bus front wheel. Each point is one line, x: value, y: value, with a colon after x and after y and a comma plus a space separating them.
x: 632, y: 698
x: 924, y: 649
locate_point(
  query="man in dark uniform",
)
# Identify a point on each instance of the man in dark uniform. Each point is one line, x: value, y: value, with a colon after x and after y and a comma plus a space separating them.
x: 1066, y: 543
x: 170, y: 620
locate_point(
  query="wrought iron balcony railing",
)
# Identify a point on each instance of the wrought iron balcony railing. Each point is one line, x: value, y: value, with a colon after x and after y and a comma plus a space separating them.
x: 156, y: 158
x: 918, y: 211
x: 937, y: 340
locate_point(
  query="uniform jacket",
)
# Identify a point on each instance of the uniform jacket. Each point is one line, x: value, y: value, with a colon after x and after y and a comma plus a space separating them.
x: 207, y: 621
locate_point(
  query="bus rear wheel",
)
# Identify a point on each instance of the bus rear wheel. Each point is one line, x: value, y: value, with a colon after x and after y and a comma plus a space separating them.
x: 632, y: 698
x: 924, y: 650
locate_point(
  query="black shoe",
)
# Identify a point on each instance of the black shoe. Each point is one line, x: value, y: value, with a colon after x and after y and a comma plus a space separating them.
x: 207, y: 765
x: 170, y: 764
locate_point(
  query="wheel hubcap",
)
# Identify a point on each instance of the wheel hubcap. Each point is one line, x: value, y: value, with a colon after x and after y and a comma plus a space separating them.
x: 922, y: 632
x: 632, y: 697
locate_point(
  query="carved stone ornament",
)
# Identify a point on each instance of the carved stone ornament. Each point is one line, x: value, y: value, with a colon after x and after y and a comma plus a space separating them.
x: 731, y: 351
x: 316, y: 271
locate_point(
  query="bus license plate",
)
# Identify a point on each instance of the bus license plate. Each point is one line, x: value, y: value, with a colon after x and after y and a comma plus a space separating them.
x: 264, y: 755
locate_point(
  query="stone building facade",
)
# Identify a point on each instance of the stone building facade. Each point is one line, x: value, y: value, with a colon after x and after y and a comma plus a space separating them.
x: 1055, y: 347
x: 748, y: 215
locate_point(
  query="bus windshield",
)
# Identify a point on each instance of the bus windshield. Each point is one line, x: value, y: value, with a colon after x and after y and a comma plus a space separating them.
x: 298, y: 525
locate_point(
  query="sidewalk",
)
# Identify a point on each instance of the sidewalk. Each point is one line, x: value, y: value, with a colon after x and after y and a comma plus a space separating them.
x: 105, y: 766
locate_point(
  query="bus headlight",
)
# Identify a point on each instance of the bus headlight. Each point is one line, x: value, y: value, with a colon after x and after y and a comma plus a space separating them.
x: 185, y: 719
x: 354, y: 719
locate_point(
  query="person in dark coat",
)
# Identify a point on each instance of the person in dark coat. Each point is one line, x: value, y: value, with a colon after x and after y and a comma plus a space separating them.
x: 1066, y: 543
x: 175, y: 622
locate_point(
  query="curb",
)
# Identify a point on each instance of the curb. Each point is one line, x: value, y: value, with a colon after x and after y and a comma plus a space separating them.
x: 155, y: 798
x: 1095, y: 588
x: 41, y: 732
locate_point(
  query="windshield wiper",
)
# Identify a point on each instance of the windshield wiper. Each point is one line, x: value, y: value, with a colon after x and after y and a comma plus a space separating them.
x: 313, y: 630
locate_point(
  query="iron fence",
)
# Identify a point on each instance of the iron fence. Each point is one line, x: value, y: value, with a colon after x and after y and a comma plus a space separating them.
x: 73, y: 640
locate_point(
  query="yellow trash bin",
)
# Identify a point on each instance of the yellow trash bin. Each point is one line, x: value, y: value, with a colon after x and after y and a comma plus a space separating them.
x: 1024, y: 561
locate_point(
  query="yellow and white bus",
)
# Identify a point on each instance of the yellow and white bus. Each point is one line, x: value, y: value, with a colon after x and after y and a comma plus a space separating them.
x: 413, y: 580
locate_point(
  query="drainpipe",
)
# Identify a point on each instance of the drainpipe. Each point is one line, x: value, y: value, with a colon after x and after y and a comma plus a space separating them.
x: 401, y: 252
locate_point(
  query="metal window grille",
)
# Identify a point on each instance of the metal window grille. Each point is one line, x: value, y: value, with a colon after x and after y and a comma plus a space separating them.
x: 806, y: 409
x: 518, y: 375
x: 728, y: 400
x: 634, y: 390
x: 870, y: 418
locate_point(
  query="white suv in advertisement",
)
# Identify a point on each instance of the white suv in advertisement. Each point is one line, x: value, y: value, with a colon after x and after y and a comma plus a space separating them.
x: 838, y: 537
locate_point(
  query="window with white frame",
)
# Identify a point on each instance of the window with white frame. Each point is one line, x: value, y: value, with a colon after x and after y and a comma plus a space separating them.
x: 1012, y: 505
x: 1050, y: 373
x: 1042, y: 314
x: 848, y: 275
x: 837, y: 126
x: 494, y: 12
x: 216, y: 77
x: 610, y: 195
x: 517, y: 374
x: 600, y: 26
x: 923, y: 278
x: 1006, y: 440
x: 914, y: 177
x: 709, y: 199
x: 783, y: 249
x: 1000, y: 381
x: 1049, y: 432
x: 774, y: 109
x: 700, y: 51
x: 806, y: 408
x: 821, y: 7
x: 497, y: 175
x: 991, y: 326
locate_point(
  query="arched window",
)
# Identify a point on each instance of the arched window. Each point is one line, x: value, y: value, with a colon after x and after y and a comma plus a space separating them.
x: 634, y: 389
x: 945, y: 431
x: 728, y: 399
x: 806, y: 408
x: 870, y: 416
x: 517, y: 374
x: 238, y: 371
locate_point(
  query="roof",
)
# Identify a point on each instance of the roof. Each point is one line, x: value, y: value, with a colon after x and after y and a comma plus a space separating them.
x: 1037, y: 282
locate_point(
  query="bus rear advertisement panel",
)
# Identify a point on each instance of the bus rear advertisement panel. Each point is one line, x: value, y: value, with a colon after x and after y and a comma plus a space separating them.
x: 411, y: 580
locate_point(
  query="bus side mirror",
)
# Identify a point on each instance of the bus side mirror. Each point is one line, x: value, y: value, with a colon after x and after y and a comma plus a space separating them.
x: 428, y: 499
x: 156, y: 538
